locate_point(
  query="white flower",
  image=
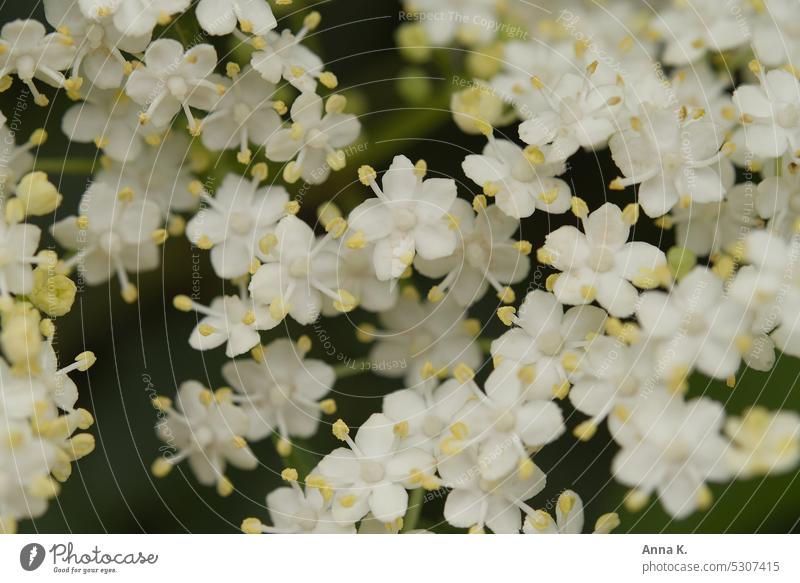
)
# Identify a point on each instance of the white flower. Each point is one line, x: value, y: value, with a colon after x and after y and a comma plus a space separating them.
x: 231, y: 320
x: 538, y: 357
x: 117, y: 234
x: 408, y: 217
x: 521, y: 181
x: 282, y: 55
x: 220, y: 17
x: 161, y: 174
x: 770, y: 288
x: 578, y: 112
x: 771, y: 113
x: 235, y: 223
x: 671, y: 158
x: 18, y: 245
x: 26, y: 49
x: 421, y: 340
x: 302, y: 269
x: 297, y: 511
x: 242, y: 116
x: 133, y: 17
x: 206, y: 429
x: 599, y: 265
x: 474, y: 502
x: 374, y: 471
x: 484, y: 255
x: 691, y: 29
x: 314, y: 142
x: 110, y: 120
x: 763, y: 442
x: 15, y: 161
x: 282, y: 391
x: 673, y: 448
x: 706, y: 228
x: 356, y: 274
x: 499, y: 425
x: 778, y: 200
x: 423, y: 417
x: 98, y: 44
x: 25, y: 463
x: 171, y: 80
x: 776, y: 39
x: 569, y: 518
x: 694, y: 325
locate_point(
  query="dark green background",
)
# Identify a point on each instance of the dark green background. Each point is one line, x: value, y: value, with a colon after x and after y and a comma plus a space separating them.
x: 112, y: 489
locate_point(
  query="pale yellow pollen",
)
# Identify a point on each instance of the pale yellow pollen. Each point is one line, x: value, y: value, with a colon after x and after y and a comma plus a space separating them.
x: 340, y: 430
x: 585, y: 430
x: 463, y: 373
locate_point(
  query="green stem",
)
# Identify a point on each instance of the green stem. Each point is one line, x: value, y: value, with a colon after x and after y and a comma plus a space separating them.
x: 415, y: 502
x: 779, y: 166
x: 66, y: 165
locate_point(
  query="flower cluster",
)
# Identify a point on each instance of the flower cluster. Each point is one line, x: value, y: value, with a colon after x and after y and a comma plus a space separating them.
x: 616, y: 328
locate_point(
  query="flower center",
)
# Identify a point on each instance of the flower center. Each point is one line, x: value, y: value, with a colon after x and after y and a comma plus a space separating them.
x: 241, y: 223
x: 432, y: 426
x: 299, y: 267
x: 177, y: 86
x: 372, y: 471
x: 550, y: 343
x: 404, y: 219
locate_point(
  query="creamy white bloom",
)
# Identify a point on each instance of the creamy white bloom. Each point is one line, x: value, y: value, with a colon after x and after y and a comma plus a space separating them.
x: 282, y: 391
x: 26, y: 49
x: 499, y: 425
x: 230, y: 320
x: 300, y: 271
x: 115, y: 234
x: 98, y: 44
x: 236, y: 221
x: 244, y: 115
x: 569, y: 518
x: 133, y: 17
x: 220, y: 17
x: 485, y: 255
x: 282, y: 56
x: 672, y: 159
x: 579, y: 112
x: 771, y: 113
x: 356, y: 274
x: 763, y: 442
x: 18, y: 245
x: 110, y: 120
x: 599, y: 264
x: 695, y: 326
x: 374, y: 471
x: 420, y: 340
x: 313, y: 145
x: 423, y: 417
x: 538, y: 356
x: 410, y: 216
x: 475, y: 503
x: 777, y: 199
x: 205, y: 429
x: 467, y: 22
x: 671, y: 447
x: 171, y: 80
x: 521, y: 181
x: 15, y: 161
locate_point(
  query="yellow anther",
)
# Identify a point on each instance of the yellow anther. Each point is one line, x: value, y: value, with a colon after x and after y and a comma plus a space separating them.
x: 524, y: 247
x: 366, y: 332
x: 279, y: 308
x: 459, y: 430
x: 401, y: 429
x: 536, y: 82
x: 356, y: 241
x: 588, y: 292
x: 244, y: 156
x: 525, y: 468
x: 162, y: 403
x: 283, y: 447
x: 616, y: 184
x: 635, y: 500
x: 159, y: 236
x: 476, y: 529
x: 239, y: 442
x: 606, y: 523
x: 630, y: 214
x: 544, y: 256
x: 292, y: 172
x: 507, y: 295
x: 540, y: 520
x: 579, y: 207
x: 328, y: 79
x: 570, y: 361
x: 267, y: 243
x: 224, y: 487
x: 479, y: 203
x: 232, y: 69
x: 252, y: 526
x: 506, y: 314
x: 335, y: 103
x: 420, y: 168
x: 292, y: 207
x: 428, y: 370
x: 534, y: 155
x: 327, y: 406
x: 183, y: 303
x: 566, y: 502
x: 490, y: 188
x: 312, y: 20
x: 85, y: 360
x: 205, y: 397
x: 161, y: 467
x: 527, y: 374
x: 280, y: 107
x: 340, y: 430
x: 347, y: 302
x: 336, y: 160
x: 435, y: 294
x: 206, y: 329
x: 463, y: 373
x: 289, y: 475
x: 348, y: 500
x: 561, y: 390
x: 367, y: 175
x: 586, y: 430
x: 245, y: 26
x: 204, y: 242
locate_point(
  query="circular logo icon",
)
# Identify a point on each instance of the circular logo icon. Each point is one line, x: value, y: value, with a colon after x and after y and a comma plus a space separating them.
x: 31, y: 556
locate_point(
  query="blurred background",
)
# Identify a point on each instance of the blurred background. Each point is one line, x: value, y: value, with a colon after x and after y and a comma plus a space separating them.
x: 143, y: 348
